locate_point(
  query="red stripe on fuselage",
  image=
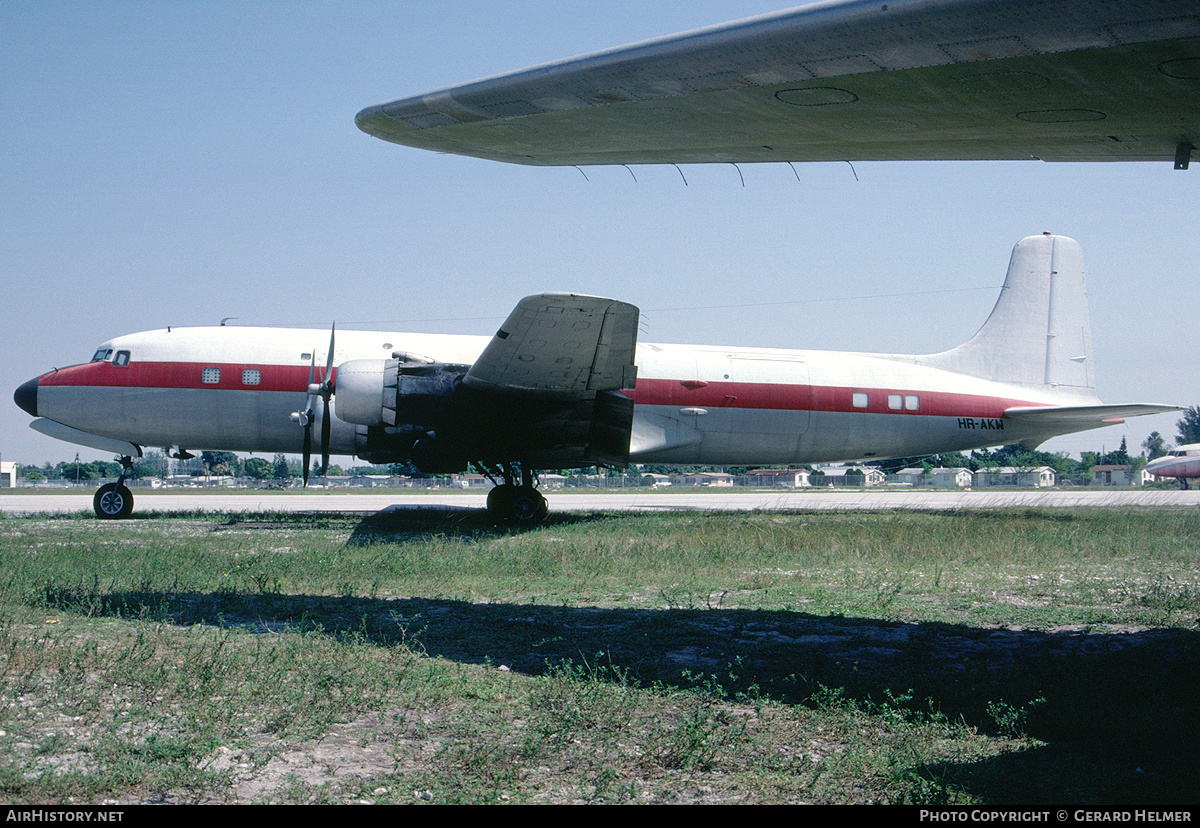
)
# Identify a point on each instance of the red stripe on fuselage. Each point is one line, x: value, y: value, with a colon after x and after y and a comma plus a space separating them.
x: 663, y: 392
x: 763, y: 395
x: 183, y: 375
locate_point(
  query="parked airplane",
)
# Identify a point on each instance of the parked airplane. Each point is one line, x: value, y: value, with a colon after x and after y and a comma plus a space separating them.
x: 845, y: 80
x: 564, y: 384
x: 1181, y: 462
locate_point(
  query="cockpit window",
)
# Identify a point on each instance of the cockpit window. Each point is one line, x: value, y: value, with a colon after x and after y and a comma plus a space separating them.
x: 122, y: 358
x: 102, y: 354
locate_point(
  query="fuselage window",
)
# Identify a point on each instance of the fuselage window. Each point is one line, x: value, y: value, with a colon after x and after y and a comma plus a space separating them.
x: 894, y: 402
x: 912, y: 402
x: 122, y: 358
x: 859, y: 400
x: 211, y: 375
x: 251, y: 376
x: 101, y: 355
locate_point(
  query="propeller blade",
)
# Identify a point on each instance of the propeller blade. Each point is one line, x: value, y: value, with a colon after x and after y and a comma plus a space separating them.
x: 325, y: 441
x: 327, y: 390
x: 329, y: 358
x: 307, y: 451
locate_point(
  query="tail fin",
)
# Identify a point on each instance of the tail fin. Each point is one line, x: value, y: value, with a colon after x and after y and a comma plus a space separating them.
x: 1038, y: 334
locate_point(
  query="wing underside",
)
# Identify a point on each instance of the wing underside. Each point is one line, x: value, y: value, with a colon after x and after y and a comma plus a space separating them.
x: 845, y: 80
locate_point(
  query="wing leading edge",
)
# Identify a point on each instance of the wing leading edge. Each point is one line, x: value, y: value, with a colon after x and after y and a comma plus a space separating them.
x: 845, y: 80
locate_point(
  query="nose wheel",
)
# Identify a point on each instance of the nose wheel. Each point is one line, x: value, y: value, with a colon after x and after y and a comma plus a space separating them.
x: 113, y: 501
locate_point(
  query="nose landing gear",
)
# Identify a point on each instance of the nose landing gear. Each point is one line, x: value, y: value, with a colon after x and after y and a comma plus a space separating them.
x: 113, y: 501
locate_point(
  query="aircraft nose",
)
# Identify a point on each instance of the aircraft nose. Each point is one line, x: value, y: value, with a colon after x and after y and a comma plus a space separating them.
x: 26, y: 397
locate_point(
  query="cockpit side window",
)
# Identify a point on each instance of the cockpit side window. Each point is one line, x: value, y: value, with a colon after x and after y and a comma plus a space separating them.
x: 102, y: 354
x: 122, y: 358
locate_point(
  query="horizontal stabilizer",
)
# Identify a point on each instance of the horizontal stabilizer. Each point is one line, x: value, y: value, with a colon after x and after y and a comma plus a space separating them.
x: 1080, y: 414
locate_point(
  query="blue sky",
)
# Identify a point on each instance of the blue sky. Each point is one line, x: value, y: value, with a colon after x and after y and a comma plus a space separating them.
x: 173, y: 163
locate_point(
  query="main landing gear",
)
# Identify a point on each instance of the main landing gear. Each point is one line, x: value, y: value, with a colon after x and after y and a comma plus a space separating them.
x: 513, y: 503
x: 113, y: 501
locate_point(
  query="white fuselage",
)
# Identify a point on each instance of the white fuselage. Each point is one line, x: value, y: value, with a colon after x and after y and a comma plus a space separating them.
x: 1182, y: 462
x: 234, y: 389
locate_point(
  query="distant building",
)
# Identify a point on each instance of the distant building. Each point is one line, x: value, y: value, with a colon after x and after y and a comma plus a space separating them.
x: 369, y: 480
x: 1039, y: 477
x: 201, y: 480
x: 1119, y: 476
x: 848, y: 476
x: 703, y: 479
x: 8, y: 475
x: 778, y: 478
x: 937, y: 478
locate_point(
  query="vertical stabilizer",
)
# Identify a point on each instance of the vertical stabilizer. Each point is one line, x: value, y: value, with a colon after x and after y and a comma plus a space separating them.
x: 1038, y: 334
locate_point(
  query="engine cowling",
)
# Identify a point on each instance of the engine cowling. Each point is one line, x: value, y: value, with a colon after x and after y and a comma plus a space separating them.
x: 420, y: 411
x: 394, y: 392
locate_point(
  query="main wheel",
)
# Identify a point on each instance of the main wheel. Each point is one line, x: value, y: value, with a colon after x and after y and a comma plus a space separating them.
x: 499, y: 502
x: 528, y: 507
x: 113, y: 502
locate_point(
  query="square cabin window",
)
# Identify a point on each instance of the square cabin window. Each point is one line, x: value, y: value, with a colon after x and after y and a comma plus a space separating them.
x: 859, y: 400
x: 211, y: 376
x: 912, y: 402
x: 251, y: 376
x: 895, y: 402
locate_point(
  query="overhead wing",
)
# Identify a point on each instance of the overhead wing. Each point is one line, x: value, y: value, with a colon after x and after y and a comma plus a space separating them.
x: 560, y: 346
x: 1058, y: 80
x: 1101, y: 415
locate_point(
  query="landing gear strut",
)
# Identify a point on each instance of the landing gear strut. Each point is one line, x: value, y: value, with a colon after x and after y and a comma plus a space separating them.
x: 518, y: 505
x: 113, y: 501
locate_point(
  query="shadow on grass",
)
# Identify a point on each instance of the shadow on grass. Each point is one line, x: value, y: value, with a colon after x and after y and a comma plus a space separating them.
x: 1118, y: 710
x: 397, y: 524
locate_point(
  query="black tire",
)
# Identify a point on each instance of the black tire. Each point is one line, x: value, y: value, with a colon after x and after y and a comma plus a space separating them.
x: 499, y: 501
x: 112, y: 502
x: 528, y: 507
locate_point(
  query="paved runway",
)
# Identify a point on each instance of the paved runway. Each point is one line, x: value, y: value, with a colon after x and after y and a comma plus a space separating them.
x: 370, y: 501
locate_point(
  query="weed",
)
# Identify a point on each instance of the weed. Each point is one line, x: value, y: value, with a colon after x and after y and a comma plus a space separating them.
x: 1011, y: 720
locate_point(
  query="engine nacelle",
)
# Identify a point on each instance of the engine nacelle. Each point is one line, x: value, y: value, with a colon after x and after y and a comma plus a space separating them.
x: 391, y: 392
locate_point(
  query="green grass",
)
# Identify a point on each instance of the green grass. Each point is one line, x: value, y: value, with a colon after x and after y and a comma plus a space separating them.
x: 1006, y: 657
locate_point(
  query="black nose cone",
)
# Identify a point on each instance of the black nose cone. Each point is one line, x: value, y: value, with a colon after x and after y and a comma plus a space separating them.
x: 26, y: 397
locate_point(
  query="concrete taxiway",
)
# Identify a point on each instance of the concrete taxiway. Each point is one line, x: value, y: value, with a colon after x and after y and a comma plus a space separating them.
x: 370, y: 501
